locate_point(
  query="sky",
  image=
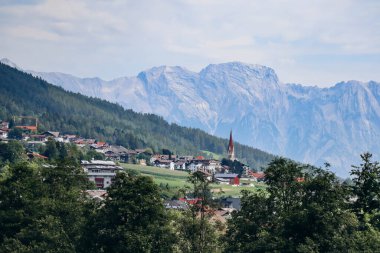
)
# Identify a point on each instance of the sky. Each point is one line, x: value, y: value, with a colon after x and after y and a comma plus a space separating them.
x: 314, y: 42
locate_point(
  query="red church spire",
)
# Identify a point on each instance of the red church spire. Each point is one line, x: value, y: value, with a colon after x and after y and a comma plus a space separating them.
x: 231, y: 149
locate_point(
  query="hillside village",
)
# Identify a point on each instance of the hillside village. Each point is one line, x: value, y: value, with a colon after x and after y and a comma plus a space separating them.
x: 102, y: 171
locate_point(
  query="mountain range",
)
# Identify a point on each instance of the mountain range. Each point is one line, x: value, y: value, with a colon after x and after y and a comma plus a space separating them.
x: 74, y: 113
x: 308, y: 124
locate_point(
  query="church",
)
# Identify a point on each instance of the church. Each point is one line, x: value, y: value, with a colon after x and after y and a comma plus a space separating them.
x: 231, y: 149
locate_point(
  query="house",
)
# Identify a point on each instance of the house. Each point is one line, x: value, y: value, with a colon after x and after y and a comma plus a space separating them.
x: 4, y: 129
x: 164, y: 164
x: 51, y: 134
x: 28, y: 128
x: 99, y: 144
x: 191, y: 201
x: 175, y: 204
x: 162, y: 157
x: 180, y: 165
x: 101, y: 172
x: 186, y: 158
x: 232, y: 179
x: 3, y: 134
x: 34, y: 146
x: 70, y: 137
x: 258, y: 176
x: 115, y: 153
x: 194, y: 166
x: 59, y: 139
x: 232, y: 203
x: 80, y: 142
x: 37, y: 137
x: 4, y: 125
x: 97, y: 195
x: 224, y: 169
x: 210, y: 165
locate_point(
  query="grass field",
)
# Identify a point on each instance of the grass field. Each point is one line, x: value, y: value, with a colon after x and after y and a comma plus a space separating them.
x: 212, y: 155
x: 175, y: 180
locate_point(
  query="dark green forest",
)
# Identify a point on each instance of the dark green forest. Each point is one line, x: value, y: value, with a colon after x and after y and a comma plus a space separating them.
x: 58, y: 110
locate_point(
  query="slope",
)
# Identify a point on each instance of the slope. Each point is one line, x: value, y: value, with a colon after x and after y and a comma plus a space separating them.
x: 57, y: 109
x: 307, y: 124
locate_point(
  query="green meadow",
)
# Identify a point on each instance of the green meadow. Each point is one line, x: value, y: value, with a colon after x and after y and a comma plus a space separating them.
x: 177, y: 180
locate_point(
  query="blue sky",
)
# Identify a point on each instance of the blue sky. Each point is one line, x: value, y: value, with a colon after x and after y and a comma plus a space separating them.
x: 314, y: 42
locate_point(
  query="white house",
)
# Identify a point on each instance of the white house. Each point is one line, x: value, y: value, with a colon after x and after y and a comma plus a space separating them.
x: 194, y: 166
x: 164, y: 164
x: 3, y: 134
x: 180, y: 165
x: 100, y: 172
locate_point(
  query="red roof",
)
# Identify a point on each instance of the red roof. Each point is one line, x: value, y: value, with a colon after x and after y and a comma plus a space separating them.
x: 36, y: 155
x: 258, y: 175
x: 31, y: 128
x: 190, y: 201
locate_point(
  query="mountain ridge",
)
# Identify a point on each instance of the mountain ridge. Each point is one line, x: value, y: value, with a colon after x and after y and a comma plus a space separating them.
x: 73, y: 113
x: 306, y: 123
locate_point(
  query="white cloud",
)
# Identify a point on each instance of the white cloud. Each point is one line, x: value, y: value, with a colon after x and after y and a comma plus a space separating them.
x: 114, y: 38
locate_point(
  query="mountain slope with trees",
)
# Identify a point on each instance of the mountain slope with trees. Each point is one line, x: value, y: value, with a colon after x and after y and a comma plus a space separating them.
x: 308, y: 124
x: 67, y: 112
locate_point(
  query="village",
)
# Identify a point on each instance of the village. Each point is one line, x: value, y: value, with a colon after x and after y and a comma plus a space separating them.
x: 103, y: 171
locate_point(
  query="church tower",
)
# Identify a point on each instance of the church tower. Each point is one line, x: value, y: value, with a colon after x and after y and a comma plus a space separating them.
x: 231, y: 149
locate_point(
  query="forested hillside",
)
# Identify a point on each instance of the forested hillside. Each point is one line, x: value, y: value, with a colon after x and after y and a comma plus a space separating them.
x: 59, y: 110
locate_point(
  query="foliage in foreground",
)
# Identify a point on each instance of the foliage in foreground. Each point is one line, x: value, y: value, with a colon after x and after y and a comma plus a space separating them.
x: 306, y: 212
x: 43, y: 208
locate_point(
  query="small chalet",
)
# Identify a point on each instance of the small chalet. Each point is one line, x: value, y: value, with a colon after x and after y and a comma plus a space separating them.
x: 51, y: 134
x: 194, y: 166
x: 162, y: 157
x: 233, y: 203
x: 116, y: 153
x: 175, y: 204
x: 164, y: 164
x: 37, y: 137
x: 258, y: 176
x: 97, y: 195
x: 204, y: 164
x: 232, y: 179
x: 70, y: 137
x: 101, y: 172
x: 180, y: 165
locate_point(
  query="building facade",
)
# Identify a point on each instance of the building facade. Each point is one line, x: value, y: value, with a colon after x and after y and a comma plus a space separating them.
x: 100, y: 172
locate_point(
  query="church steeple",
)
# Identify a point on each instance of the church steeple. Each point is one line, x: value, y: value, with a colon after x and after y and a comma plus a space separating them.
x: 231, y: 149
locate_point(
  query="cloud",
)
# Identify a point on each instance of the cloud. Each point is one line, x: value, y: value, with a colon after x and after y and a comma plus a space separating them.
x: 115, y: 38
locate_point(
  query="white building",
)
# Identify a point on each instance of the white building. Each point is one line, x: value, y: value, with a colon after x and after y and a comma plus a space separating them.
x: 3, y: 134
x: 100, y: 172
x: 194, y: 166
